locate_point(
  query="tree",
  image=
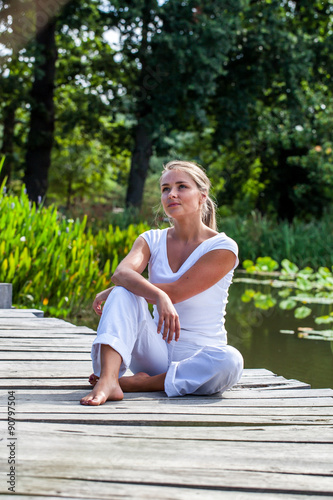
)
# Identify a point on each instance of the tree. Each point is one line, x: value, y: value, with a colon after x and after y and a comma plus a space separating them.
x: 176, y: 51
x: 40, y: 138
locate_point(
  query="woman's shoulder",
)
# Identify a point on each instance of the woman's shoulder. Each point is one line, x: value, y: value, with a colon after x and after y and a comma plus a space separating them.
x: 153, y: 236
x: 223, y: 242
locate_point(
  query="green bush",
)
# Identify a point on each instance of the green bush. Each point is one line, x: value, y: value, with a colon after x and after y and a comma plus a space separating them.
x: 54, y: 263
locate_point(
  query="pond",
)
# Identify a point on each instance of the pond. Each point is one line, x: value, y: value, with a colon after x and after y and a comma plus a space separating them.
x: 270, y: 339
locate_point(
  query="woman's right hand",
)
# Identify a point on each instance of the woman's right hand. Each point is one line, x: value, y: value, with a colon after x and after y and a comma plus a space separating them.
x: 100, y: 299
x: 168, y: 318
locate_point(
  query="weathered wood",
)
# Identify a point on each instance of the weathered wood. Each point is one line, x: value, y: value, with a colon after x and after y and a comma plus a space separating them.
x: 287, y: 468
x: 6, y: 292
x: 291, y: 434
x: 33, y: 323
x: 46, y: 333
x: 64, y: 394
x: 161, y: 419
x: 267, y: 438
x: 18, y: 313
x: 73, y: 409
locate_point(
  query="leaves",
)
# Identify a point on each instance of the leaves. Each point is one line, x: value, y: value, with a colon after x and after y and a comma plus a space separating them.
x: 54, y: 263
x: 302, y: 312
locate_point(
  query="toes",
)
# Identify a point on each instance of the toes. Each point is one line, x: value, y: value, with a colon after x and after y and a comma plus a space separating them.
x: 93, y: 379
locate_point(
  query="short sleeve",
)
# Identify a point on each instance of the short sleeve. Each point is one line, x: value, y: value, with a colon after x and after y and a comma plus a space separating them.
x: 152, y: 238
x: 148, y: 237
x: 223, y: 242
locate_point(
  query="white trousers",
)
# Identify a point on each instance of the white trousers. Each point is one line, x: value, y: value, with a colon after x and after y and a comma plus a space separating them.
x: 127, y: 326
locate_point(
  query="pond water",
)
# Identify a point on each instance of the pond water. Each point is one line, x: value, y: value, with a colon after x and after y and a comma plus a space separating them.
x: 257, y: 335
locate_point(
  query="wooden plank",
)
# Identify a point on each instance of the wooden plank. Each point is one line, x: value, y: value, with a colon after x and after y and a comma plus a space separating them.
x: 65, y: 394
x: 14, y: 313
x: 87, y: 489
x: 168, y: 419
x: 45, y: 368
x: 29, y: 323
x: 41, y: 333
x: 106, y: 489
x: 267, y: 467
x: 45, y: 355
x: 246, y: 434
x: 114, y: 409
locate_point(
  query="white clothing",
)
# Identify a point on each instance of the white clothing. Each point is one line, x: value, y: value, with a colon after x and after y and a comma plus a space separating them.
x: 200, y: 362
x: 201, y: 316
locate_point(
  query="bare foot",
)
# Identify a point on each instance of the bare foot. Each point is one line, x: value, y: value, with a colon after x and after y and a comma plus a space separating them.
x: 93, y: 379
x: 104, y: 390
x: 134, y: 383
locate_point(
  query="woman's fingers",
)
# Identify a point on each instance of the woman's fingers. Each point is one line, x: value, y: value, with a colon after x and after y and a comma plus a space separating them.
x: 168, y: 322
x: 170, y: 326
x: 177, y: 329
x: 99, y: 299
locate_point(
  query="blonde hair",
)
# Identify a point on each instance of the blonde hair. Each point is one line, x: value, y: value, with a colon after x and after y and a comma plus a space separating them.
x: 198, y: 175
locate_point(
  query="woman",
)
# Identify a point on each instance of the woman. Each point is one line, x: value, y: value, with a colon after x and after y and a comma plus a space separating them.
x: 183, y: 350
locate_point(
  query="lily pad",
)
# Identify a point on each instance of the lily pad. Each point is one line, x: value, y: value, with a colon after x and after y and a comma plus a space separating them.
x: 288, y: 267
x: 263, y: 301
x: 248, y: 295
x: 302, y: 312
x: 287, y: 304
x: 324, y: 320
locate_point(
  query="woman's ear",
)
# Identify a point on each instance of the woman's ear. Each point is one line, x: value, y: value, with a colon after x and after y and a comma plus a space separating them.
x: 203, y: 198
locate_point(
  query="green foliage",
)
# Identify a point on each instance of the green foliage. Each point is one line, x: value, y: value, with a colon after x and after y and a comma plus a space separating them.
x: 54, y: 263
x: 263, y: 264
x: 304, y: 243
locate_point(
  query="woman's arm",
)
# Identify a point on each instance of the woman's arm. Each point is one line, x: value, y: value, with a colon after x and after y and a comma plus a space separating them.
x: 128, y: 275
x: 207, y: 271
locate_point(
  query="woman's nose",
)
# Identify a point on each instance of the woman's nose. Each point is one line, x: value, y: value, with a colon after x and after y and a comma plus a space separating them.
x: 172, y: 193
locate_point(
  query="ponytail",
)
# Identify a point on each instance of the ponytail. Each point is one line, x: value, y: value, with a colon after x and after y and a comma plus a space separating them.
x: 208, y: 215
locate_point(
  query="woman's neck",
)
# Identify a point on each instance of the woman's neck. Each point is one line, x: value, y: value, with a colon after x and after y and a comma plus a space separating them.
x: 189, y: 230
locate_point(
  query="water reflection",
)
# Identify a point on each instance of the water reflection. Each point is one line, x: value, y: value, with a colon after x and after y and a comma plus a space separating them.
x: 256, y: 333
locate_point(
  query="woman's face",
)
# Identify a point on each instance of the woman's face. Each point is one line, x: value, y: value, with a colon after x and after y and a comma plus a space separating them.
x: 180, y: 194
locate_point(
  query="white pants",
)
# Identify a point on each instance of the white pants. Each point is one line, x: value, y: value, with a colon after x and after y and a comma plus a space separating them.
x: 127, y: 326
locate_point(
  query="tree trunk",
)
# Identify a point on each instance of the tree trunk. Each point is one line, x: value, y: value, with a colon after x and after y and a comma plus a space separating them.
x: 139, y: 167
x: 7, y: 143
x: 142, y: 151
x: 40, y: 139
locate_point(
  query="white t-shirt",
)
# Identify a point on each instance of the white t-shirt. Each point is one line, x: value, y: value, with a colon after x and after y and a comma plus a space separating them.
x: 202, y: 316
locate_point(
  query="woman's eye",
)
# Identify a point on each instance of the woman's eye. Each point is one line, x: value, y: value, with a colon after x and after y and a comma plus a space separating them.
x: 164, y: 189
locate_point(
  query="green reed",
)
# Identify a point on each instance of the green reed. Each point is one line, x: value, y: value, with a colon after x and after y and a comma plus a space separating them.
x: 55, y: 263
x: 304, y: 243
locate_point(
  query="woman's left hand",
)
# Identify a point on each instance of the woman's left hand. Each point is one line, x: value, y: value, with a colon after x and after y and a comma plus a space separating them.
x: 100, y: 299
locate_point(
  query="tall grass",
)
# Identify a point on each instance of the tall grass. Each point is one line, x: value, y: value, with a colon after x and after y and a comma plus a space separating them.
x: 55, y: 263
x: 304, y: 243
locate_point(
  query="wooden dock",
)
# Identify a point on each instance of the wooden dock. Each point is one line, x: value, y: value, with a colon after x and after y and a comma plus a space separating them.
x: 267, y: 438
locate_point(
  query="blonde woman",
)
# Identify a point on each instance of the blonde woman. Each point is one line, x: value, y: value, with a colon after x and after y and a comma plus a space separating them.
x: 183, y: 348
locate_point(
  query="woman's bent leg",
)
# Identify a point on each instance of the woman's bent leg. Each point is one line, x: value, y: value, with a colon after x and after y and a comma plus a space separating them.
x: 107, y: 387
x: 127, y: 326
x: 207, y: 371
x: 126, y: 337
